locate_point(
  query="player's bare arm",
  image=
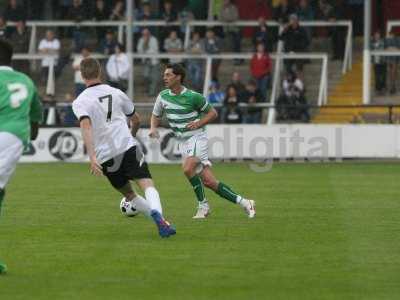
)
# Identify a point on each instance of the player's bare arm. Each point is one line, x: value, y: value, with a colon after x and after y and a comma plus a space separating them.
x: 208, y: 117
x: 154, y: 124
x: 87, y: 134
x: 134, y: 123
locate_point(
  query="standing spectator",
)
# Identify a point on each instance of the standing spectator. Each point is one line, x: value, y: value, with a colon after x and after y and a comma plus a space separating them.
x: 305, y: 13
x: 283, y: 11
x: 14, y: 12
x: 212, y: 45
x: 195, y: 66
x: 118, y: 68
x: 50, y: 46
x: 173, y: 45
x: 76, y: 65
x: 20, y: 41
x: 4, y: 30
x: 378, y: 43
x: 148, y: 44
x: 392, y: 43
x: 107, y: 45
x: 264, y: 35
x: 296, y: 40
x: 101, y: 13
x: 229, y: 14
x: 118, y: 12
x: 260, y: 67
x: 77, y: 13
x: 63, y: 8
x: 231, y: 113
x: 252, y: 95
x: 236, y: 82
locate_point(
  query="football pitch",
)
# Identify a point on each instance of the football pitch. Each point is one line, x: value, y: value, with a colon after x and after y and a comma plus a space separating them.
x: 322, y: 231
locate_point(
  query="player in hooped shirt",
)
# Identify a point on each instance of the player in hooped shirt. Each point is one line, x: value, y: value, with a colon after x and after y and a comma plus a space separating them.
x: 104, y: 113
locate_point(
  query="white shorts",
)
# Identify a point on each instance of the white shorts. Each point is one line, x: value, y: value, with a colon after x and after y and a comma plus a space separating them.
x: 11, y: 149
x: 196, y: 146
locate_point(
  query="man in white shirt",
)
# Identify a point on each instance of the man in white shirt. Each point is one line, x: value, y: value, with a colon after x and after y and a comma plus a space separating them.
x: 76, y: 65
x: 51, y: 46
x: 118, y: 68
x: 103, y: 112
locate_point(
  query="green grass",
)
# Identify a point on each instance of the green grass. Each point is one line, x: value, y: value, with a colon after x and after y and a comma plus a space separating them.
x: 322, y: 231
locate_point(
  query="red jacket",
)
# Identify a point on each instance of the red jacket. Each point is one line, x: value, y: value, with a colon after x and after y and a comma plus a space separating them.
x: 260, y: 67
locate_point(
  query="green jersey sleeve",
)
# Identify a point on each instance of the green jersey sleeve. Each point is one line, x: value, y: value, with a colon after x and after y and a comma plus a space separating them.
x: 36, y: 112
x: 201, y: 103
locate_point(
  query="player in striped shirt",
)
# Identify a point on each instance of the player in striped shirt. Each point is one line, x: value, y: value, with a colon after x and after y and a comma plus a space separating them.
x: 187, y: 113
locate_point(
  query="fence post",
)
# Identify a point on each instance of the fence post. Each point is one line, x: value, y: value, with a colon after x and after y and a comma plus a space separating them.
x: 207, y: 78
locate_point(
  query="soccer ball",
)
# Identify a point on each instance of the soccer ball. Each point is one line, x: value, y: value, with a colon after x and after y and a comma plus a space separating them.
x: 128, y: 208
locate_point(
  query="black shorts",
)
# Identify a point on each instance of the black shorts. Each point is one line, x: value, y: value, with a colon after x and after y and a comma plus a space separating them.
x: 129, y: 165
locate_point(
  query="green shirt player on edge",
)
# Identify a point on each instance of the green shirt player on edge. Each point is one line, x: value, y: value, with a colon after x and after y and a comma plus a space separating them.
x: 187, y: 113
x: 20, y: 113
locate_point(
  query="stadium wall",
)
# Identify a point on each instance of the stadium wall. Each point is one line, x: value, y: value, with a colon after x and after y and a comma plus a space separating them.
x: 240, y: 142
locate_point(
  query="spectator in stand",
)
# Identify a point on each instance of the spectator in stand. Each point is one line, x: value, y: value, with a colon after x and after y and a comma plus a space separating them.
x: 63, y: 8
x: 378, y: 43
x: 236, y: 82
x: 65, y: 114
x: 148, y: 44
x: 118, y: 11
x: 305, y: 13
x: 20, y: 41
x: 50, y: 46
x: 252, y: 95
x: 231, y: 114
x: 168, y: 14
x: 264, y: 35
x: 118, y: 68
x: 76, y: 65
x: 293, y: 96
x: 229, y: 14
x: 283, y: 11
x: 4, y: 30
x: 215, y: 95
x: 77, y: 13
x: 100, y: 13
x: 107, y: 45
x: 260, y: 67
x: 144, y: 13
x: 213, y: 45
x: 173, y: 45
x: 392, y: 43
x: 14, y: 12
x: 295, y: 40
x: 195, y: 66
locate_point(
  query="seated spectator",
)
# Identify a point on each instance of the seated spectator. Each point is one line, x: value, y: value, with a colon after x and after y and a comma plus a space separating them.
x: 101, y: 13
x: 231, y: 113
x: 195, y: 66
x: 215, y: 95
x: 66, y: 116
x: 264, y: 35
x: 118, y: 68
x: 252, y: 95
x: 379, y: 62
x: 4, y: 30
x: 260, y: 67
x: 76, y: 65
x: 144, y: 13
x: 118, y: 12
x: 14, y: 12
x: 20, y: 41
x: 77, y: 13
x: 292, y: 96
x: 213, y: 45
x: 173, y: 45
x: 295, y: 40
x: 392, y: 43
x: 148, y: 44
x: 107, y: 45
x: 49, y: 46
x: 283, y: 11
x: 236, y: 82
x: 229, y: 13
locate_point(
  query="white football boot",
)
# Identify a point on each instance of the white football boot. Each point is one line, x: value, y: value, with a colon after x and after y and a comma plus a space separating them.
x: 249, y: 207
x: 203, y: 210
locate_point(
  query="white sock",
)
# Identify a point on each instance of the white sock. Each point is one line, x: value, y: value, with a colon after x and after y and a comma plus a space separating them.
x: 153, y: 198
x: 142, y: 205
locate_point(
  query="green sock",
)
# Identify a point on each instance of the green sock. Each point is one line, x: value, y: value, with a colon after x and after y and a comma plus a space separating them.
x: 198, y: 187
x: 226, y: 192
x: 2, y: 192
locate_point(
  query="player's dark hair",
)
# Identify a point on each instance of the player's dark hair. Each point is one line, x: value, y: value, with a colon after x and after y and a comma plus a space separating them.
x: 90, y: 68
x: 6, y: 52
x: 177, y: 69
